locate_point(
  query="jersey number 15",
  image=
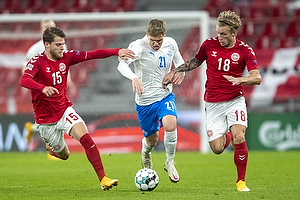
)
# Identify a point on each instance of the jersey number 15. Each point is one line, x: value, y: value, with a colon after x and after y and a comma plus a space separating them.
x: 57, y: 78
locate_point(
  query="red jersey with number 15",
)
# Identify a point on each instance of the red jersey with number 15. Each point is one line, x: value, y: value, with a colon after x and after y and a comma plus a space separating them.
x: 42, y: 71
x: 225, y: 61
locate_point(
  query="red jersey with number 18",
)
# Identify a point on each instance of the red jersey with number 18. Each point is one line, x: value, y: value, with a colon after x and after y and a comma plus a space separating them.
x: 42, y: 71
x: 225, y: 61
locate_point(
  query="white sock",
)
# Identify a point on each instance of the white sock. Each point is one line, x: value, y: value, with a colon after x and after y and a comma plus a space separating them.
x: 146, y: 149
x: 170, y: 142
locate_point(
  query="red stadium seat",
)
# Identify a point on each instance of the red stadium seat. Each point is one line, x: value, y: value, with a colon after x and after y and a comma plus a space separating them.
x: 214, y: 7
x: 13, y: 76
x: 79, y: 74
x: 270, y: 29
x: 266, y: 42
x: 247, y: 92
x: 126, y: 5
x: 289, y: 90
x: 279, y: 11
x: 286, y: 42
x: 297, y: 12
x: 190, y: 88
x: 3, y: 98
x: 3, y: 90
x: 11, y: 6
x: 104, y: 6
x: 293, y: 29
x: 262, y: 43
x: 73, y: 92
x: 257, y: 12
x: 264, y: 57
x: 21, y: 93
x: 247, y: 29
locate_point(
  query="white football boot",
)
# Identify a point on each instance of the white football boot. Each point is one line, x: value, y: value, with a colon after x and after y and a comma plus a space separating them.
x: 173, y: 174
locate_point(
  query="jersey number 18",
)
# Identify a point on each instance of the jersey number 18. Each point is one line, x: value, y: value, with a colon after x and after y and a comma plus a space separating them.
x: 226, y: 65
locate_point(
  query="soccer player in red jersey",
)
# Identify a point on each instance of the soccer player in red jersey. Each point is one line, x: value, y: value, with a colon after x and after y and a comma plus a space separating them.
x: 46, y: 76
x: 226, y: 113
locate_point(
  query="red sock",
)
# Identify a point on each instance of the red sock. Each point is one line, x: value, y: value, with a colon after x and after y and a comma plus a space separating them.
x: 228, y: 137
x: 240, y: 160
x: 92, y: 154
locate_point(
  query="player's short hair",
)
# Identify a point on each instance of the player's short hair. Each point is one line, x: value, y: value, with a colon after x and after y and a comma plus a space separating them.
x: 229, y: 18
x: 156, y: 27
x: 51, y: 32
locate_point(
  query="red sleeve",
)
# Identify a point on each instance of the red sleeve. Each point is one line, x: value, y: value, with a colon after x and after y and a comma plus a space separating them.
x: 201, y: 55
x: 102, y: 53
x: 75, y: 57
x: 27, y: 82
x: 250, y: 59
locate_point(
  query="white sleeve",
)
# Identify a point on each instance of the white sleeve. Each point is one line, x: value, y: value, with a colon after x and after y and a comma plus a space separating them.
x: 178, y: 60
x: 123, y: 66
x: 125, y: 70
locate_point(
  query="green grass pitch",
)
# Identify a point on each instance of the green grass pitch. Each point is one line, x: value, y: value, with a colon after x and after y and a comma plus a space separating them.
x: 270, y: 175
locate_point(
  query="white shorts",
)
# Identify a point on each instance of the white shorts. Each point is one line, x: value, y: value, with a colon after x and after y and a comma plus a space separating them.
x: 53, y: 134
x: 221, y: 116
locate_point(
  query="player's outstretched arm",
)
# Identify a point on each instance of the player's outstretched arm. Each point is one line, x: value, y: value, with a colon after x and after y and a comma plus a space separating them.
x: 125, y: 54
x: 187, y: 66
x: 253, y: 79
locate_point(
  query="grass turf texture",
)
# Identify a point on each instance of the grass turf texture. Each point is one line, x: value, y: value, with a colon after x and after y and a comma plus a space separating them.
x: 270, y: 175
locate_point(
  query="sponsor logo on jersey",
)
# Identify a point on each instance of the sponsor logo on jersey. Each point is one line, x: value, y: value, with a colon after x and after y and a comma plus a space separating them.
x: 152, y: 53
x: 214, y: 54
x: 48, y: 69
x: 29, y: 66
x: 235, y: 56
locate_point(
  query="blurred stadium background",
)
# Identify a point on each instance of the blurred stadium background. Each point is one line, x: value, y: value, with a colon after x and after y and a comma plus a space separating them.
x: 105, y: 99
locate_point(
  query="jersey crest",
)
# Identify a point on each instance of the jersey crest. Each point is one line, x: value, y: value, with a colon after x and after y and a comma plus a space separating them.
x: 235, y: 57
x: 62, y: 67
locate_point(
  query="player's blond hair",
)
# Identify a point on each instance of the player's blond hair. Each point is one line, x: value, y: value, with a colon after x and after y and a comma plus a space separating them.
x: 229, y: 18
x: 156, y: 27
x: 45, y: 23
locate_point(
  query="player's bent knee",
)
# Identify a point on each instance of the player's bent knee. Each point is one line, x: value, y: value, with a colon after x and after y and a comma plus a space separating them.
x: 216, y: 149
x: 152, y: 143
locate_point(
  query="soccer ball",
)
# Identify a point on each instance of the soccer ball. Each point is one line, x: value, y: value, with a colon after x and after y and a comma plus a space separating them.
x: 146, y: 179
